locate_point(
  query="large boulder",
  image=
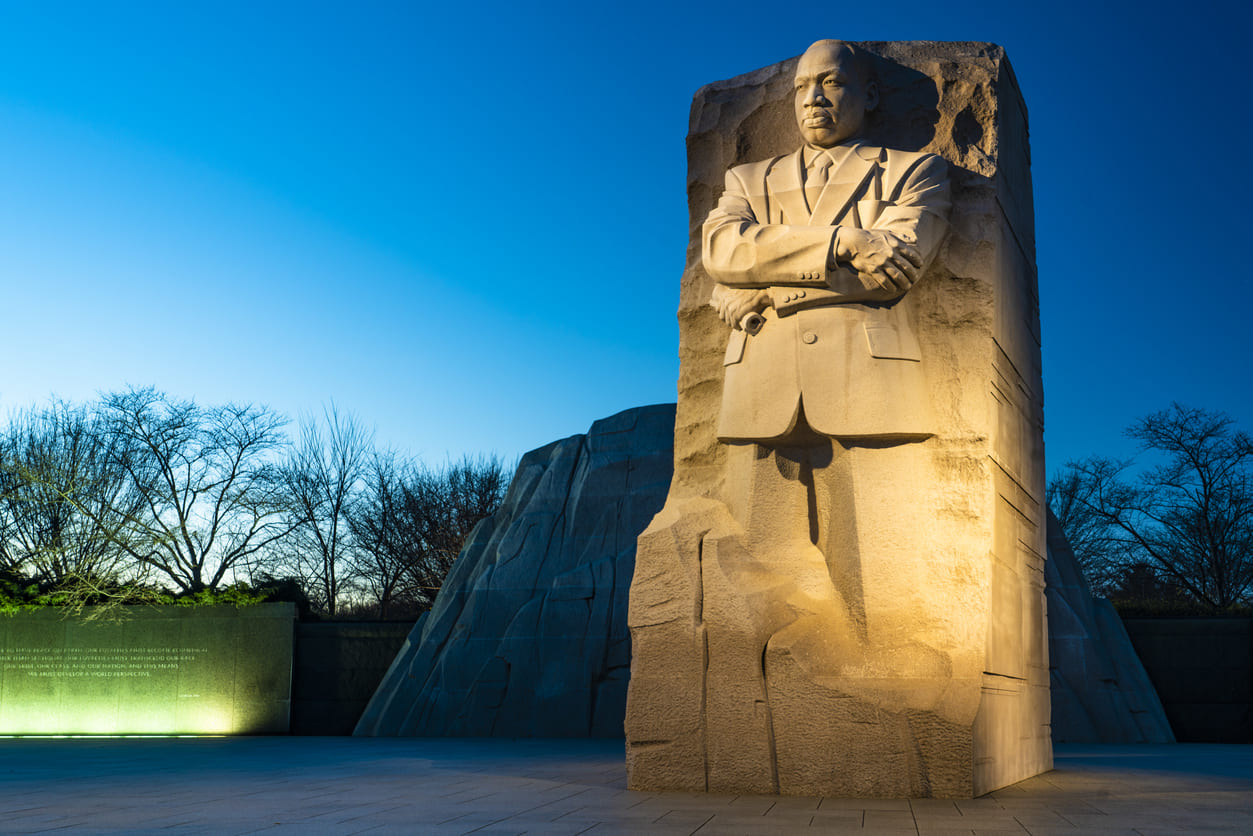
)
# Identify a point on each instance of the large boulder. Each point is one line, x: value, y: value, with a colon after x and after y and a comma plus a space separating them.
x: 1101, y: 692
x: 528, y: 637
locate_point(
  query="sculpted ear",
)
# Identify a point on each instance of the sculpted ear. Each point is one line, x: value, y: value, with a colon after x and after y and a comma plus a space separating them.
x: 872, y: 96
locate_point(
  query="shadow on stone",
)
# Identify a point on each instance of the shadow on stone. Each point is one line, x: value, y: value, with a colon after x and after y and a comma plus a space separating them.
x: 529, y: 637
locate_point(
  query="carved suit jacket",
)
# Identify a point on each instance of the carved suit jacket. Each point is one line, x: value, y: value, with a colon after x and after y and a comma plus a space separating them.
x: 843, y: 351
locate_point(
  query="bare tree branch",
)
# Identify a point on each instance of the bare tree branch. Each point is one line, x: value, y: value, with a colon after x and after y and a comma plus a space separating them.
x: 212, y: 494
x: 1189, y: 516
x: 323, y: 480
x: 66, y: 504
x: 415, y: 521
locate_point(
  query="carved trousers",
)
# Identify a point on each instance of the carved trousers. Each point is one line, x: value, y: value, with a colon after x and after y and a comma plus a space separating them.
x: 851, y: 522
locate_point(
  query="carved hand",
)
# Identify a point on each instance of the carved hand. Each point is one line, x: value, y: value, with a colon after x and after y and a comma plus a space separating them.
x: 888, y: 260
x: 733, y: 304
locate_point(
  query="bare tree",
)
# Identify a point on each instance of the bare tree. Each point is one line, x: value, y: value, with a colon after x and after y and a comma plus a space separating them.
x: 323, y: 481
x: 66, y: 504
x: 414, y: 521
x: 1101, y: 556
x: 144, y: 489
x: 1188, y: 517
x: 212, y: 495
x: 382, y: 555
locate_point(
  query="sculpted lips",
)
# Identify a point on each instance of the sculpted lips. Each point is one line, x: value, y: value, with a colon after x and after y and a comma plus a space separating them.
x: 820, y: 119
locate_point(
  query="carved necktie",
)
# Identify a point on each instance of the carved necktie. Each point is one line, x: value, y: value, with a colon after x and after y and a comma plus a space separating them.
x: 816, y: 179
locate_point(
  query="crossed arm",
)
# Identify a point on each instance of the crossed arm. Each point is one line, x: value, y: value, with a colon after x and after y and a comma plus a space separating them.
x: 844, y: 263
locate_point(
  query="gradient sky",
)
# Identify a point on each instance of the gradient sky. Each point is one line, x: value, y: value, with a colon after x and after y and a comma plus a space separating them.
x: 466, y: 222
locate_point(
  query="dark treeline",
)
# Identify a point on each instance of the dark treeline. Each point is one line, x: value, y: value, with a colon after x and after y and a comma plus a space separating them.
x: 140, y: 496
x: 1171, y: 529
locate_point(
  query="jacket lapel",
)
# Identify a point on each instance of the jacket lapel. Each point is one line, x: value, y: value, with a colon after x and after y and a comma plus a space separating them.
x: 845, y: 183
x: 783, y: 185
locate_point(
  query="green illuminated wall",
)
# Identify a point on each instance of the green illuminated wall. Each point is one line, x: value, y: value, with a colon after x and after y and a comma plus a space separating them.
x: 161, y: 670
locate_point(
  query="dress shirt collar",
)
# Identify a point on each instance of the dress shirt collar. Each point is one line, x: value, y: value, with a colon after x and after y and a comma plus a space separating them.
x: 838, y: 154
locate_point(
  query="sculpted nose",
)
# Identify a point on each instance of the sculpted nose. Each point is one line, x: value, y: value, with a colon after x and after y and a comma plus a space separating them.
x: 814, y: 97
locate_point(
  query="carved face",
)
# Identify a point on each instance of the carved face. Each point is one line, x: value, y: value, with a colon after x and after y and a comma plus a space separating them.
x: 832, y: 97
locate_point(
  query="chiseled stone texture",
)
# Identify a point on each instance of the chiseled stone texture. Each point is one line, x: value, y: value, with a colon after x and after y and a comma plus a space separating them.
x: 528, y: 636
x: 1101, y: 692
x: 733, y: 688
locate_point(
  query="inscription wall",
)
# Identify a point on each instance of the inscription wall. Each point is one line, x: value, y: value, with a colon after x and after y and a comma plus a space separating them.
x: 98, y: 662
x: 158, y: 670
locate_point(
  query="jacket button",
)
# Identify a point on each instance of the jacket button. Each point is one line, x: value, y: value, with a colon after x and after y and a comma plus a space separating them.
x: 809, y: 338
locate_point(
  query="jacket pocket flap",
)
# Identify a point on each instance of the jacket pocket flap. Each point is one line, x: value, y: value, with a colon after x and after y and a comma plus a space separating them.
x: 889, y: 343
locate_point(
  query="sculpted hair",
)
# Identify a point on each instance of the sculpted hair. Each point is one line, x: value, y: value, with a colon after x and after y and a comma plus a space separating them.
x: 860, y: 59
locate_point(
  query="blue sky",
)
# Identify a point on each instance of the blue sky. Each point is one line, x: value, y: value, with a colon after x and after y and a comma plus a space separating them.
x: 466, y: 222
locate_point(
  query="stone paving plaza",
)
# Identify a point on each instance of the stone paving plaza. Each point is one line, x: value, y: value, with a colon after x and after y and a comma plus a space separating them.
x: 338, y: 785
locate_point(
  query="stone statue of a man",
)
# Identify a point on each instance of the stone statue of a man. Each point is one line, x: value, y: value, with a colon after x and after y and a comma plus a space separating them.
x: 825, y: 405
x: 843, y: 595
x: 824, y: 240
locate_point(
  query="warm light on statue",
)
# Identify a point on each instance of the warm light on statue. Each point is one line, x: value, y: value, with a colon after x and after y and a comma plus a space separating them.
x: 843, y: 595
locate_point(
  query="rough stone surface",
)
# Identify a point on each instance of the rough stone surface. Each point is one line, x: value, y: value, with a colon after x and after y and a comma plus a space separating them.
x: 742, y: 678
x: 528, y: 636
x: 1101, y: 692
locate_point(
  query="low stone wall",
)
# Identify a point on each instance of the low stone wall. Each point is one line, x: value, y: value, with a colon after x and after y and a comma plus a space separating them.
x: 147, y: 670
x: 1203, y: 671
x: 190, y: 670
x: 338, y: 665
